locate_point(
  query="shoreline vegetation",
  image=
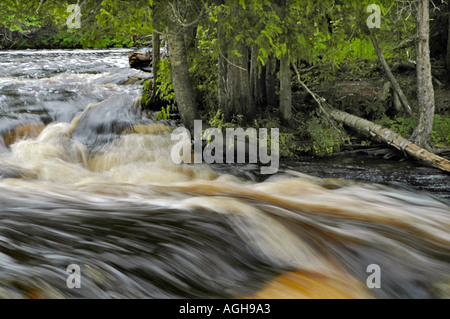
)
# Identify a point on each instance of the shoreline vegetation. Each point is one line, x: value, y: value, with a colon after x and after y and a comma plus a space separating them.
x: 244, y: 64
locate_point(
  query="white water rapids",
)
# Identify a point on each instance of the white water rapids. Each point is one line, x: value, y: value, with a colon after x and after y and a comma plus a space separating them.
x: 86, y: 179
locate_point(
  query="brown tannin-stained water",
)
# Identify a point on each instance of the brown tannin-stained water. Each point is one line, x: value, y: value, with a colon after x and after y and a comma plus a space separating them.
x: 87, y: 179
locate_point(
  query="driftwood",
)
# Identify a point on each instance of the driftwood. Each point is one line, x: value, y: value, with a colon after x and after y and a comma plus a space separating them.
x: 391, y: 138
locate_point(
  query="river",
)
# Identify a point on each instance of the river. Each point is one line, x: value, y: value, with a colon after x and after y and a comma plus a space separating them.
x: 86, y: 179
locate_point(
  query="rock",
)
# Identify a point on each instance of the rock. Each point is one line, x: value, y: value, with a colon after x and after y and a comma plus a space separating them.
x: 138, y: 77
x: 29, y: 130
x: 140, y: 59
x: 155, y: 128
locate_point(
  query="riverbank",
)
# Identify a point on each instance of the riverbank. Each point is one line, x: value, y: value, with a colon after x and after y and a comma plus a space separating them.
x: 405, y: 174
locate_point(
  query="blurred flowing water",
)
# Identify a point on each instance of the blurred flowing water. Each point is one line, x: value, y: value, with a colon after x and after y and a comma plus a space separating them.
x: 86, y: 179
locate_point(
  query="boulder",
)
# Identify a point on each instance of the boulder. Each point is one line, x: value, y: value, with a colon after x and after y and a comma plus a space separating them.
x: 140, y: 59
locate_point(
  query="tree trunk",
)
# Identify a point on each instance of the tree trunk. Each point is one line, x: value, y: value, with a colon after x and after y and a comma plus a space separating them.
x: 389, y: 74
x: 233, y: 89
x: 425, y: 92
x: 190, y: 34
x: 271, y: 83
x: 391, y: 138
x: 184, y: 93
x: 244, y: 77
x: 448, y: 46
x: 285, y: 88
x: 156, y: 57
x: 221, y: 69
x: 240, y: 99
x: 257, y: 79
x: 238, y: 88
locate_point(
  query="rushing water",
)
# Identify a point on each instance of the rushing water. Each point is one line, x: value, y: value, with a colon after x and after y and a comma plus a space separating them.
x: 86, y: 179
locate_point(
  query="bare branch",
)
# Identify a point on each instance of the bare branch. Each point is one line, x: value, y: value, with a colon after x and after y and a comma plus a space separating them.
x: 318, y: 100
x: 40, y: 4
x: 178, y: 17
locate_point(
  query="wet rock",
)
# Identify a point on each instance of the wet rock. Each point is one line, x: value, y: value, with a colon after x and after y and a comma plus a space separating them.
x: 105, y: 121
x: 140, y: 59
x: 138, y: 78
x: 12, y: 172
x: 29, y: 130
x: 155, y: 128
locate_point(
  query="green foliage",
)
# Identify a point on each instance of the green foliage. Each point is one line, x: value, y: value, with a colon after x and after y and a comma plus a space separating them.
x: 366, y: 143
x: 58, y: 39
x: 403, y: 126
x: 203, y: 70
x: 147, y: 91
x: 123, y: 41
x: 350, y: 52
x: 400, y: 125
x: 287, y: 148
x: 218, y: 121
x: 374, y: 109
x: 288, y: 137
x: 164, y: 114
x: 164, y: 83
x: 23, y: 25
x: 115, y: 23
x: 104, y: 24
x: 324, y: 137
x: 164, y: 91
x: 440, y: 135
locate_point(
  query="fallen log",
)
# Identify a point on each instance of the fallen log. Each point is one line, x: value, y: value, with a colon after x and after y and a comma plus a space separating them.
x: 374, y: 130
x: 391, y: 138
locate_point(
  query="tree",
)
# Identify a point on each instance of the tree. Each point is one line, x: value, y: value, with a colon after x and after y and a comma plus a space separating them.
x: 285, y: 88
x: 285, y: 67
x: 221, y: 64
x: 172, y: 18
x: 156, y: 49
x: 397, y: 89
x: 20, y: 19
x: 179, y: 63
x: 425, y: 91
x: 448, y: 44
x: 288, y: 31
x: 234, y: 71
x: 156, y: 57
